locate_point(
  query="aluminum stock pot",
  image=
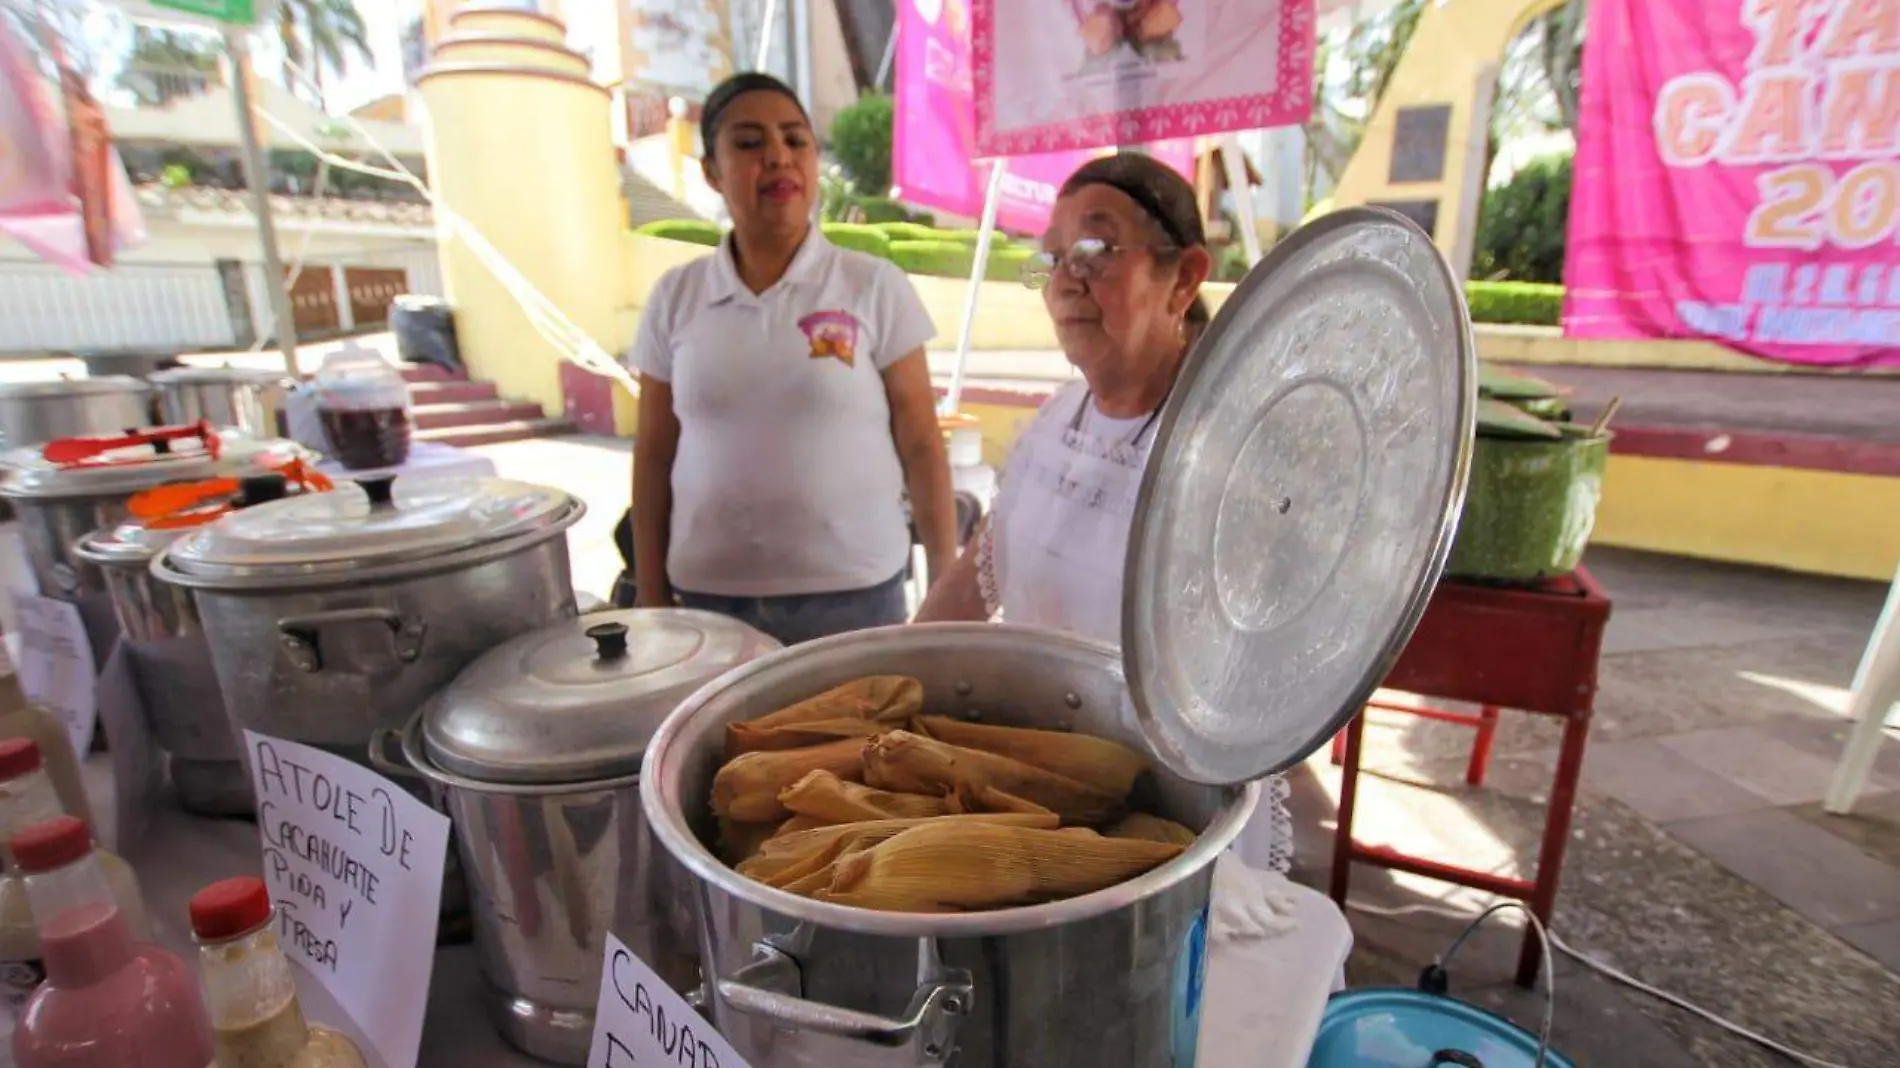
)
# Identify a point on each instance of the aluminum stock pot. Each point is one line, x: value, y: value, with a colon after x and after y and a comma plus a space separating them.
x: 536, y: 748
x: 32, y: 413
x: 252, y: 402
x: 1292, y: 521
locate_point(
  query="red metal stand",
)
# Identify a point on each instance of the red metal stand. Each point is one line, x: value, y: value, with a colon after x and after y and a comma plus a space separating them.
x: 1532, y: 649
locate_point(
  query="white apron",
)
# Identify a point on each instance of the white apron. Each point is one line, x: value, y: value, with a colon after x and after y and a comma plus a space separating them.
x: 1057, y: 544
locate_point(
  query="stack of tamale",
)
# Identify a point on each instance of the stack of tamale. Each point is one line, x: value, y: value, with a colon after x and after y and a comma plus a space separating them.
x: 856, y: 797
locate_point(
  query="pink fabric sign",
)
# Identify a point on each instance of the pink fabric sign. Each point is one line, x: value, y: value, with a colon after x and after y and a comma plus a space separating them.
x: 1736, y: 177
x: 932, y: 151
x: 1059, y: 74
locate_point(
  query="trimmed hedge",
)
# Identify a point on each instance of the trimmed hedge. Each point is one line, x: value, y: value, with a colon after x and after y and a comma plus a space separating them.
x: 1521, y: 303
x: 861, y: 238
x: 945, y: 259
x: 908, y: 231
x: 1006, y: 263
x: 696, y: 231
x: 885, y: 210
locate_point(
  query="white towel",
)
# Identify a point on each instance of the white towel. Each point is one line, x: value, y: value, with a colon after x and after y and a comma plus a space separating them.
x: 1249, y: 904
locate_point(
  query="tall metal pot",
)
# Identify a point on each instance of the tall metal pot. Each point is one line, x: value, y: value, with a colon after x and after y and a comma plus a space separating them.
x: 33, y: 413
x: 536, y: 748
x: 250, y: 401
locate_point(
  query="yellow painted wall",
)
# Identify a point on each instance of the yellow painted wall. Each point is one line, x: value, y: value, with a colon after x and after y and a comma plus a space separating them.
x: 1823, y: 522
x: 475, y: 50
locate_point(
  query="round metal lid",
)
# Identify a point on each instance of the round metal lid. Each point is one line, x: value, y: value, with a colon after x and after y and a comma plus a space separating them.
x: 68, y: 387
x: 1301, y: 497
x: 578, y: 701
x: 375, y: 521
x: 205, y: 375
x: 131, y: 543
x: 26, y: 473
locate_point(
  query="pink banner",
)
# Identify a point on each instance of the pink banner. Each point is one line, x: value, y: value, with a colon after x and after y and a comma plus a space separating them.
x: 932, y: 159
x: 1736, y: 177
x: 1056, y: 75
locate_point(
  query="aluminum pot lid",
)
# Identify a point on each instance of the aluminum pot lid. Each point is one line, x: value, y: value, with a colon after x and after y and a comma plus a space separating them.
x: 1409, y: 1029
x: 373, y: 521
x: 73, y: 387
x: 26, y: 472
x: 578, y: 701
x: 212, y: 375
x: 131, y: 543
x: 1300, y: 499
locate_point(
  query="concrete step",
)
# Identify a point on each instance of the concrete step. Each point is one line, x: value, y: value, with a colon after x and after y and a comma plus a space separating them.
x: 494, y: 433
x: 428, y: 372
x: 451, y: 391
x: 472, y: 414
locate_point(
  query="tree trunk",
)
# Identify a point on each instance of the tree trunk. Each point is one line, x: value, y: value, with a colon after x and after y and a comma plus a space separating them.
x: 1560, y: 51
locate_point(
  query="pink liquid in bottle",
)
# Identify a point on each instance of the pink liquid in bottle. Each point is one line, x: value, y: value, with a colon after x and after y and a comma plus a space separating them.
x: 108, y: 1002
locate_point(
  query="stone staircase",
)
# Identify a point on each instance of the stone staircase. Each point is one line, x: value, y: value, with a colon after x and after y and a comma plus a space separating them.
x: 453, y: 409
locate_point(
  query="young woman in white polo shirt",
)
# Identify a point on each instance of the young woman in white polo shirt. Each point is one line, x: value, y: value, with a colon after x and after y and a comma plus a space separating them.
x: 786, y: 406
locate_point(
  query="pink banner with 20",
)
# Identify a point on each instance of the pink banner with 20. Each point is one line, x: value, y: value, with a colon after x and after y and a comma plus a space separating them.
x: 1737, y: 178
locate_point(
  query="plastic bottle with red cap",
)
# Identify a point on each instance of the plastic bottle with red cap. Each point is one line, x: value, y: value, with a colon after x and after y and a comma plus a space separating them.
x: 248, y: 986
x: 109, y: 1001
x: 21, y: 718
x: 27, y: 797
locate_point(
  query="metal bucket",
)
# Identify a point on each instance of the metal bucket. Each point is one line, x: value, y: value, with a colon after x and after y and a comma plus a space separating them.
x: 252, y: 402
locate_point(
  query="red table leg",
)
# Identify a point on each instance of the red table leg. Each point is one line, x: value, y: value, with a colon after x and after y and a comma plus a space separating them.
x: 1348, y: 794
x: 1550, y: 859
x: 1480, y: 764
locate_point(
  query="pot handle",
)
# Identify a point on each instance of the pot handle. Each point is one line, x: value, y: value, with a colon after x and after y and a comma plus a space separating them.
x: 768, y: 989
x: 299, y: 634
x: 383, y: 742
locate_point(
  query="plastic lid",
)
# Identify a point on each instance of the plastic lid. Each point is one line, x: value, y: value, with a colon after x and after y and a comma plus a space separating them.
x: 196, y: 375
x: 18, y: 756
x: 1409, y: 1029
x: 578, y: 701
x: 356, y: 378
x: 375, y: 521
x: 67, y: 387
x: 229, y: 907
x: 1301, y: 498
x: 52, y: 844
x: 29, y: 475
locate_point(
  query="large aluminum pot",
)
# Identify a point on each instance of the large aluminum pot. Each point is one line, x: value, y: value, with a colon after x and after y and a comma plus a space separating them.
x: 1108, y: 980
x: 57, y: 505
x: 33, y: 413
x: 537, y: 750
x: 250, y: 401
x: 171, y: 661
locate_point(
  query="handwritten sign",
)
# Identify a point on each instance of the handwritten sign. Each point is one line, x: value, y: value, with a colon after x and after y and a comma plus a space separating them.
x: 56, y: 665
x: 641, y: 1022
x: 354, y: 864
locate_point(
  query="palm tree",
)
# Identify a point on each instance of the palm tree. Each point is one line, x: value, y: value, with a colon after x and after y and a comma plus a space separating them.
x: 319, y: 35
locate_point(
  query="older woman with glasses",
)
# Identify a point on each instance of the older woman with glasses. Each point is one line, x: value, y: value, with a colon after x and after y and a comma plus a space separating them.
x: 1121, y: 270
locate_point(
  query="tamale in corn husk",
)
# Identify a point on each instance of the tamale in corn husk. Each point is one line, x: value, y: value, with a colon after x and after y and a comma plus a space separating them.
x: 746, y: 788
x: 910, y: 763
x: 741, y: 738
x: 1149, y: 828
x: 825, y: 797
x: 800, y: 823
x: 1094, y: 762
x: 737, y: 841
x: 949, y: 866
x: 881, y: 699
x: 980, y: 798
x: 781, y: 860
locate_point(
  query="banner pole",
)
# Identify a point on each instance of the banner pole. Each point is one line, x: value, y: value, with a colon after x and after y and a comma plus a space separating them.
x: 766, y: 27
x: 977, y: 270
x: 1243, y: 195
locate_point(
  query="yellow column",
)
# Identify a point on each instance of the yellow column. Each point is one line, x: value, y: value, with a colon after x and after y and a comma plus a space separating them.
x: 519, y: 147
x: 1452, y: 63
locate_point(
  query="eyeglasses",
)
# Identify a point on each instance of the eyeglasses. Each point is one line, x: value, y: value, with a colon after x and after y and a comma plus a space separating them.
x: 1085, y: 261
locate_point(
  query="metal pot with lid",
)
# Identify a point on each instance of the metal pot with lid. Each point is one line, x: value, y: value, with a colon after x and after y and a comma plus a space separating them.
x: 1293, y: 518
x: 537, y: 749
x: 35, y: 412
x: 160, y: 631
x: 250, y: 401
x: 64, y: 490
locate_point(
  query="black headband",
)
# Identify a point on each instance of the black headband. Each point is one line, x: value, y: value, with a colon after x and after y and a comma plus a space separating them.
x: 1149, y: 183
x: 733, y: 88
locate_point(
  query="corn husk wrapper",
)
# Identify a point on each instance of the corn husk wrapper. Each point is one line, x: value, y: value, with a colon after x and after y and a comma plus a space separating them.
x: 912, y: 763
x: 1150, y: 829
x: 965, y: 867
x: 737, y: 841
x: 888, y: 700
x: 825, y: 797
x: 742, y: 739
x: 785, y: 859
x: 800, y: 823
x: 981, y: 798
x: 1095, y: 762
x: 746, y: 788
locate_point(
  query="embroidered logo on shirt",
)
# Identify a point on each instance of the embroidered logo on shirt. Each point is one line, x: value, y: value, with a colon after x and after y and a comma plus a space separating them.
x: 833, y: 334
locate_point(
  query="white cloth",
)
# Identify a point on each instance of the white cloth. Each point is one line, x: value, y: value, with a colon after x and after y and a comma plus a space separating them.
x: 1249, y: 904
x: 787, y: 480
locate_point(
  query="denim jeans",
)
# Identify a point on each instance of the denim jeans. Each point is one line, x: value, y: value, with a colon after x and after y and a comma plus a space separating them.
x: 807, y: 616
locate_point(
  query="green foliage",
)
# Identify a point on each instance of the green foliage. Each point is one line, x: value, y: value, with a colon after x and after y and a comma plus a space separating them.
x: 1523, y: 303
x: 1522, y: 225
x: 1006, y: 263
x: 862, y: 238
x: 861, y: 143
x: 968, y: 237
x: 175, y: 176
x: 909, y: 231
x: 1230, y: 264
x: 695, y: 231
x: 886, y: 210
x: 945, y: 259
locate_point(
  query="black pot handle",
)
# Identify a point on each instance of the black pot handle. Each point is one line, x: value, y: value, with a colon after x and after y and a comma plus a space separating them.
x: 1454, y: 1056
x: 381, y: 490
x: 610, y: 640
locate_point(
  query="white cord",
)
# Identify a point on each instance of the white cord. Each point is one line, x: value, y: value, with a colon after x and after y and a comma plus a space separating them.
x: 1622, y: 977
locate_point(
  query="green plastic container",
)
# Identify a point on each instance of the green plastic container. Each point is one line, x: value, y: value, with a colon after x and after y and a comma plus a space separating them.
x: 1530, y: 507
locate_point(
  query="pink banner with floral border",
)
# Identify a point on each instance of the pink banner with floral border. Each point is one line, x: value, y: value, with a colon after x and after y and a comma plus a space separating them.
x: 1068, y: 74
x: 1736, y: 178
